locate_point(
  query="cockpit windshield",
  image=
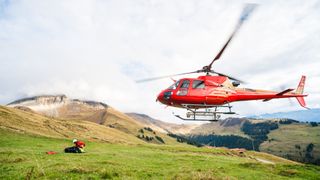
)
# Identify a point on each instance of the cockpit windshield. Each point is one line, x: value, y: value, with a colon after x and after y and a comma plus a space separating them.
x: 174, y: 86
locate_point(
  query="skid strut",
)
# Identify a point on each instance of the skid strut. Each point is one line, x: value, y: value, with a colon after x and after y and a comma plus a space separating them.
x: 202, y: 112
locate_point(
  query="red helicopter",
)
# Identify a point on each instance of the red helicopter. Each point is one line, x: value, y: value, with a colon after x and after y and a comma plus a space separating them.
x: 205, y: 96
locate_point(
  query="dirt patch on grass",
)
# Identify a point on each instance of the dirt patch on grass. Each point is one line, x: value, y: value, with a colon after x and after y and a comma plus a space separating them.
x: 264, y: 161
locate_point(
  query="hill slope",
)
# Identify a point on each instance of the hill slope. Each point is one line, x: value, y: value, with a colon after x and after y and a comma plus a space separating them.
x: 283, y: 137
x: 62, y: 107
x: 225, y: 127
x: 29, y: 122
x: 296, y: 141
x: 163, y: 126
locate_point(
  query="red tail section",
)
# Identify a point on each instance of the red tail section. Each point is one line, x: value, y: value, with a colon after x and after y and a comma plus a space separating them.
x: 300, y: 91
x: 302, y: 102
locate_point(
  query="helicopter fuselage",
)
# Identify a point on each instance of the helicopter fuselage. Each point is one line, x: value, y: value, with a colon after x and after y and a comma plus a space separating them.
x: 207, y: 91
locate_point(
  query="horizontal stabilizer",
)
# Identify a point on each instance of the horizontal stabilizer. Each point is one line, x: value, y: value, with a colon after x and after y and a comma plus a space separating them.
x: 279, y: 94
x: 285, y: 91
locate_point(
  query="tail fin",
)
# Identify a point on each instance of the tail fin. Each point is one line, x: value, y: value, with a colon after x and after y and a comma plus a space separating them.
x: 300, y: 91
x: 301, y: 85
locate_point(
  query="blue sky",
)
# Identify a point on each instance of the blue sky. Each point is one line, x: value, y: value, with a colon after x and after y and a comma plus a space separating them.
x: 97, y: 49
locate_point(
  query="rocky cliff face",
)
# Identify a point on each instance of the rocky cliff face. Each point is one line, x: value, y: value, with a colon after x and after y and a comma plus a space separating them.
x: 54, y: 105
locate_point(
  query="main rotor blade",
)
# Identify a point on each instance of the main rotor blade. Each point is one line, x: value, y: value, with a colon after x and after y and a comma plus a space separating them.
x: 230, y: 77
x: 161, y: 77
x: 244, y: 15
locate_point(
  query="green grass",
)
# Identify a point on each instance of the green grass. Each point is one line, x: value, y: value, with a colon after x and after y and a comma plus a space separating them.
x: 23, y: 156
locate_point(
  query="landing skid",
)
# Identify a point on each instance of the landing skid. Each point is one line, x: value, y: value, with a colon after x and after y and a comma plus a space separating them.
x: 202, y: 112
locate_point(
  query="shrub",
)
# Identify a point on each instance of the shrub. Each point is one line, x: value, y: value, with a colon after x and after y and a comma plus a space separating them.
x: 148, y: 129
x: 160, y: 139
x: 141, y: 131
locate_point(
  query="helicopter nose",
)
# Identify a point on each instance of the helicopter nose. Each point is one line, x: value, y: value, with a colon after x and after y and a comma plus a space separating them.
x: 164, y: 97
x: 160, y: 97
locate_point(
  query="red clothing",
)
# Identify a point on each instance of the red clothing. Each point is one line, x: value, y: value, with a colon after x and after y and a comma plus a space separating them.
x: 80, y: 144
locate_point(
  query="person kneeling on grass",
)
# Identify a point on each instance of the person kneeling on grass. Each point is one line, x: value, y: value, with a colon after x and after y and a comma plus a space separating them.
x: 77, y: 148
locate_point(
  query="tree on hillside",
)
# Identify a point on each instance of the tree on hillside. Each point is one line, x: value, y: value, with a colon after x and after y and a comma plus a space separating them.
x: 229, y: 141
x: 309, y: 153
x: 141, y: 131
x: 313, y: 124
x: 160, y: 139
x: 288, y: 121
x: 259, y: 131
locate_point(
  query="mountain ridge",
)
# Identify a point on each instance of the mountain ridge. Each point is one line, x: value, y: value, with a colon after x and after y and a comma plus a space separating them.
x: 311, y: 115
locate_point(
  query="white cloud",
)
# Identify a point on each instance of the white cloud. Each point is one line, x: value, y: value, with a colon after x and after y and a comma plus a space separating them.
x: 96, y: 49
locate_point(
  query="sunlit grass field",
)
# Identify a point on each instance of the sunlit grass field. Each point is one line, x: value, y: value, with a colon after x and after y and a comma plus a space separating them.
x: 23, y: 156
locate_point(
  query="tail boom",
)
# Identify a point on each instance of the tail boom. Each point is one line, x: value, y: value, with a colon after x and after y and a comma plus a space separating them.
x: 298, y: 94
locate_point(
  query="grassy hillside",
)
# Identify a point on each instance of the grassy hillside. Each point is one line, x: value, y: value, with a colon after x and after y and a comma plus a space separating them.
x: 28, y: 122
x: 22, y: 156
x: 60, y: 106
x: 291, y: 141
x: 119, y: 129
x: 282, y: 137
x: 229, y: 126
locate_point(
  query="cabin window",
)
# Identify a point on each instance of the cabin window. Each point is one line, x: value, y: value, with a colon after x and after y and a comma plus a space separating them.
x: 183, y: 91
x: 175, y: 85
x: 198, y: 84
x: 185, y: 84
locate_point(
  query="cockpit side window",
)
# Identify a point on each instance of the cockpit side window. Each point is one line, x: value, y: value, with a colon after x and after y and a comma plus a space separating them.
x: 198, y: 84
x: 183, y: 90
x: 174, y: 86
x: 185, y: 84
